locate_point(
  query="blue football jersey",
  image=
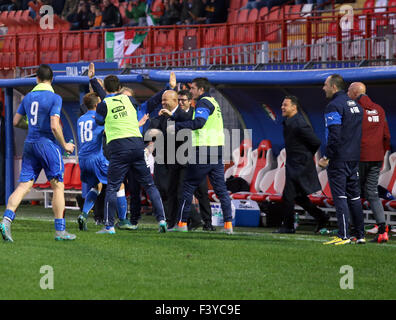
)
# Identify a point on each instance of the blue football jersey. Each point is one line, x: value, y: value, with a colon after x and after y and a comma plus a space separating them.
x: 39, y: 106
x: 90, y: 135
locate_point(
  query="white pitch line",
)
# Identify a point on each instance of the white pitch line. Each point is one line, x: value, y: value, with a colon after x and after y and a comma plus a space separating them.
x: 300, y: 237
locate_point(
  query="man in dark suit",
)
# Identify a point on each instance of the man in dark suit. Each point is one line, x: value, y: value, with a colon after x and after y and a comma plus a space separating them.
x: 168, y: 171
x: 301, y: 145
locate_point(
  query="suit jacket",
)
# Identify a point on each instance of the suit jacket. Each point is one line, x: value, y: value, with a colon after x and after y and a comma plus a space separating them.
x: 161, y: 123
x: 301, y: 144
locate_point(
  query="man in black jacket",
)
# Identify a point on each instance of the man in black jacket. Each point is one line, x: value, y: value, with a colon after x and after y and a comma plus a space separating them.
x: 167, y: 169
x: 111, y: 17
x: 301, y: 145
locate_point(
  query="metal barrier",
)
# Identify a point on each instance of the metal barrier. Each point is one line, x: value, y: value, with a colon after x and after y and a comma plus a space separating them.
x: 290, y: 31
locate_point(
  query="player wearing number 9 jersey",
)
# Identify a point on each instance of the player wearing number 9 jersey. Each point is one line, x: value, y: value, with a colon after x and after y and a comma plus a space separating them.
x: 42, y: 108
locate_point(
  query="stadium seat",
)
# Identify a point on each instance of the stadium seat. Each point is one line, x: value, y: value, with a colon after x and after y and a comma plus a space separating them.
x: 94, y: 40
x: 243, y: 3
x: 9, y: 44
x: 388, y: 178
x: 272, y: 182
x: 161, y: 38
x: 295, y: 11
x: 263, y: 162
x: 67, y: 175
x: 241, y: 157
x: 243, y: 16
x: 75, y: 180
x: 253, y: 15
x: 306, y: 10
x: 322, y: 198
x: 273, y: 14
x: 385, y: 164
x: 235, y: 4
x: 262, y: 13
x: 232, y: 16
x: 6, y: 60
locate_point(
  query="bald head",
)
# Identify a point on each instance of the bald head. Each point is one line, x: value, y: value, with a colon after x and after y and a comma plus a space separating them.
x: 169, y: 100
x: 356, y: 89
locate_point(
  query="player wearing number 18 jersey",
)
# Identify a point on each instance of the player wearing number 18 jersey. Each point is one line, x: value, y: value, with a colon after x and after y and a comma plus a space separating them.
x: 42, y: 108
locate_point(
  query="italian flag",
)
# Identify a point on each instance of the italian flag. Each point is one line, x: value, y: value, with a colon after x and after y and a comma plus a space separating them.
x: 122, y: 43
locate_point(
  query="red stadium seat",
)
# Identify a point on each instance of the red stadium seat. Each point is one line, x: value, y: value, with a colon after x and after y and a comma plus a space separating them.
x: 9, y: 44
x: 243, y: 16
x: 263, y: 159
x: 369, y: 6
x: 235, y: 4
x: 6, y: 60
x: 295, y: 11
x: 67, y: 175
x: 392, y: 6
x: 262, y: 13
x: 75, y: 180
x: 240, y: 158
x: 232, y: 16
x: 274, y: 14
x: 243, y: 3
x: 253, y: 15
x: 94, y: 41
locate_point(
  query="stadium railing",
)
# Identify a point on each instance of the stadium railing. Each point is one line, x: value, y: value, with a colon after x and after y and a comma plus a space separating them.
x: 282, y: 28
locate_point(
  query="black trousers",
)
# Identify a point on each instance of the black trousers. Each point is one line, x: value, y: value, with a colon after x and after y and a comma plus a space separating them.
x: 205, y: 212
x: 169, y: 181
x: 293, y: 194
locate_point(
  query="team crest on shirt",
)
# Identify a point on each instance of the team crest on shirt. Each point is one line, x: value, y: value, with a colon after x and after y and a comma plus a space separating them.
x: 372, y: 112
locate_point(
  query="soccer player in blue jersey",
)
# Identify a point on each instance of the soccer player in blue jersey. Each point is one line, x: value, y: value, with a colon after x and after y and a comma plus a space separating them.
x: 41, y: 151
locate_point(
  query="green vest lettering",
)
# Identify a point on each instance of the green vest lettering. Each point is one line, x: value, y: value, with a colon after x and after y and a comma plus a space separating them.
x: 121, y: 119
x: 211, y: 134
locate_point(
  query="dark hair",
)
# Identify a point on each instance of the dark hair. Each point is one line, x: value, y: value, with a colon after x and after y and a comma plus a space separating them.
x: 202, y: 83
x: 44, y: 73
x: 91, y: 100
x: 294, y: 100
x: 112, y: 83
x: 338, y: 81
x: 185, y: 93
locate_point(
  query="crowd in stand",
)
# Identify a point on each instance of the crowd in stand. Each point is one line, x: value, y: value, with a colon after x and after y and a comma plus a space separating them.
x: 95, y: 14
x: 91, y: 14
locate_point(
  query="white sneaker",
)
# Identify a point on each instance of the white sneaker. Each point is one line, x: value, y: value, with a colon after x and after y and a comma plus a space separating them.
x: 111, y: 230
x: 373, y: 230
x: 64, y: 235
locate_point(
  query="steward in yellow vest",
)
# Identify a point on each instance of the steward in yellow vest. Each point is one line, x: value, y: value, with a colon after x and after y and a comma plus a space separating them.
x: 208, y: 140
x: 125, y: 147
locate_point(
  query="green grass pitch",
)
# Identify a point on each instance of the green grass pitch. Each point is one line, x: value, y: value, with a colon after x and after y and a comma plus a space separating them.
x: 252, y: 264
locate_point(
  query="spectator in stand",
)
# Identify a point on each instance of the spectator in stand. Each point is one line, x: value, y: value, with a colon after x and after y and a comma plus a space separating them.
x: 98, y: 16
x: 172, y: 12
x: 9, y: 5
x: 255, y: 4
x: 111, y: 17
x: 82, y: 18
x: 375, y: 142
x: 157, y: 11
x: 69, y: 8
x: 214, y: 12
x: 190, y: 9
x: 137, y: 14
